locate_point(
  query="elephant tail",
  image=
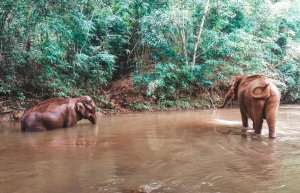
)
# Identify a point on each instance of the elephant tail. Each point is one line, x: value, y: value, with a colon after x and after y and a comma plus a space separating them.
x: 262, y: 92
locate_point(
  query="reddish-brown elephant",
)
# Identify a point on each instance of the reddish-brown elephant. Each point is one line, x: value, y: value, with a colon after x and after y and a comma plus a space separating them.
x: 258, y: 99
x: 59, y: 113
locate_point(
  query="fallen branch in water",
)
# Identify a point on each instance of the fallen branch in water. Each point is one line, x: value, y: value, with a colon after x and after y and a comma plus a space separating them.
x: 7, y: 111
x: 210, y: 99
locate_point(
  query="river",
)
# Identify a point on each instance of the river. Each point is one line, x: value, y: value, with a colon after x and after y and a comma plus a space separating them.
x: 201, y: 151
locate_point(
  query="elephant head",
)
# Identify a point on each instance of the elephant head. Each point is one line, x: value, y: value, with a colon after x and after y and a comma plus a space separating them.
x: 85, y: 107
x: 233, y: 90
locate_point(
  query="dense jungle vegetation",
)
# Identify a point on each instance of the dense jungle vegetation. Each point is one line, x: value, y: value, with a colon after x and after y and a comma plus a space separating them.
x: 168, y: 48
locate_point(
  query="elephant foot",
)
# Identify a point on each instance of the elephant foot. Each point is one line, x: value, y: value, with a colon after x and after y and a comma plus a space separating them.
x: 250, y: 133
x: 272, y: 135
x: 256, y: 136
x: 235, y: 130
x: 246, y: 129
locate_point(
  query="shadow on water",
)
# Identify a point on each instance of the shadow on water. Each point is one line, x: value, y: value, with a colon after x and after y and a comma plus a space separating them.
x: 186, y: 151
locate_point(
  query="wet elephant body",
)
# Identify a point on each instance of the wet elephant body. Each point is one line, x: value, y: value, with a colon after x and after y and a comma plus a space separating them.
x: 258, y: 99
x: 59, y: 113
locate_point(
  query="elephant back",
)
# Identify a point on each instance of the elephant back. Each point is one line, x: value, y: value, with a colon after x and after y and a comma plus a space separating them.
x: 49, y: 105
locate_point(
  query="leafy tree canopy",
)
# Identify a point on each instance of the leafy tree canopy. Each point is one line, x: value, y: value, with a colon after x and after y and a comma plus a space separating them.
x: 68, y: 48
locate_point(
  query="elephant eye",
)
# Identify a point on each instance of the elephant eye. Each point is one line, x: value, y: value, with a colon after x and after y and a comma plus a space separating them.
x: 91, y: 108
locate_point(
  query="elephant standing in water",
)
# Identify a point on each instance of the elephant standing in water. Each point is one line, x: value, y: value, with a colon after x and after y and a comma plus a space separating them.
x: 258, y: 99
x: 59, y: 113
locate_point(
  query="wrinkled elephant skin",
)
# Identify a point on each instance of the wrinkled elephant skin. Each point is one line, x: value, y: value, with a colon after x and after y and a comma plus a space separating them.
x: 59, y: 113
x: 258, y: 99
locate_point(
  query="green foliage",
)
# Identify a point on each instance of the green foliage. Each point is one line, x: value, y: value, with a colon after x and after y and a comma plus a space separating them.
x: 71, y: 48
x: 5, y: 88
x: 139, y: 106
x: 165, y: 104
x: 168, y: 80
x: 290, y: 70
x: 184, y: 104
x: 245, y: 37
x: 59, y: 43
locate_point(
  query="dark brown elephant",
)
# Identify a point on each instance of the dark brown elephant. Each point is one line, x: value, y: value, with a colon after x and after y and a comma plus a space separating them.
x: 258, y: 99
x: 59, y: 113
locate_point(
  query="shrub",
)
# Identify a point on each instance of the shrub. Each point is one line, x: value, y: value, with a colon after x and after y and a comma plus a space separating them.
x: 166, y: 81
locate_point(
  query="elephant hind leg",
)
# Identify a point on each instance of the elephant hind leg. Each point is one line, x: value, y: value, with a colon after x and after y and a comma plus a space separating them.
x: 39, y: 127
x: 34, y: 127
x: 32, y: 122
x: 271, y: 116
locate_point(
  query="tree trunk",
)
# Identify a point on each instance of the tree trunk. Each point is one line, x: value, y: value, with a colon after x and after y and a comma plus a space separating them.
x: 28, y: 38
x: 183, y: 38
x: 199, y: 33
x: 5, y: 14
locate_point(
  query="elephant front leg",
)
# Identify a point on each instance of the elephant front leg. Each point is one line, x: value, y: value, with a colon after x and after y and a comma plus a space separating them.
x: 271, y: 115
x: 70, y: 119
x: 244, y: 119
x: 271, y: 120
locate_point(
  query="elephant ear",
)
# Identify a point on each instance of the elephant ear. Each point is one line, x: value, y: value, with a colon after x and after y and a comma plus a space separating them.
x: 89, y: 104
x: 91, y: 108
x: 233, y: 90
x: 80, y: 108
x: 262, y: 92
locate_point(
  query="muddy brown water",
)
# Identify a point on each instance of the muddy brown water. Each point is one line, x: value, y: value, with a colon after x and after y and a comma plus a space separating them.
x: 168, y: 152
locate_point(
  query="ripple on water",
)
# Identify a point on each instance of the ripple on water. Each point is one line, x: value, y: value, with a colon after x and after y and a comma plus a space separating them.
x: 166, y: 152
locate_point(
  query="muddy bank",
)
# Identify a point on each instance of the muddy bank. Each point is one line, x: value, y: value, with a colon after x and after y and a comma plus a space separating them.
x: 12, y: 108
x: 120, y: 97
x: 124, y: 97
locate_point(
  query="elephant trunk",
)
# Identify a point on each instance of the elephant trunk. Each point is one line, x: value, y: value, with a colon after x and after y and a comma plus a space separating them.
x: 93, y: 119
x: 227, y: 98
x: 264, y: 92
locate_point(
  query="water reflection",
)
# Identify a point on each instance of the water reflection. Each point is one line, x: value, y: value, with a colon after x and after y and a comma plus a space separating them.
x: 188, y: 151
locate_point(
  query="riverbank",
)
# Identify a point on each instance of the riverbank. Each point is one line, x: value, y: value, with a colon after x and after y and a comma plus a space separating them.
x: 123, y: 97
x: 119, y: 97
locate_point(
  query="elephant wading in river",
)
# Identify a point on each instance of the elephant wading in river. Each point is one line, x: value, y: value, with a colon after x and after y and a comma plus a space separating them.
x: 59, y: 113
x: 258, y: 99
